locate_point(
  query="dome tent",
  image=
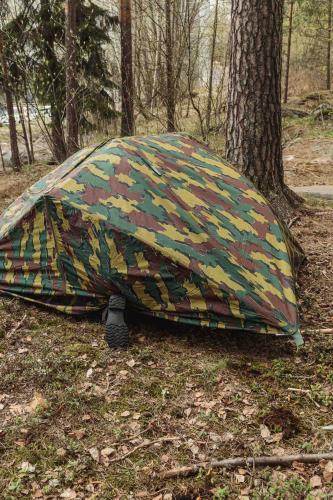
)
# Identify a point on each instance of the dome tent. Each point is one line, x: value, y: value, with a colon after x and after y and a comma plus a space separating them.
x: 162, y: 221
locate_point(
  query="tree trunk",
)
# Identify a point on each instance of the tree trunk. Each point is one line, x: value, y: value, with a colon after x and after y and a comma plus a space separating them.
x: 329, y: 45
x: 71, y: 78
x: 24, y: 129
x: 211, y: 70
x: 15, y: 155
x: 290, y: 34
x: 55, y: 95
x: 254, y: 123
x: 2, y: 160
x: 29, y: 125
x: 127, y: 87
x: 170, y: 84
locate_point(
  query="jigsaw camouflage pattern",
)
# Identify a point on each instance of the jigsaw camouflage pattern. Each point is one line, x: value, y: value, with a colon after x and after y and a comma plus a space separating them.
x: 161, y: 219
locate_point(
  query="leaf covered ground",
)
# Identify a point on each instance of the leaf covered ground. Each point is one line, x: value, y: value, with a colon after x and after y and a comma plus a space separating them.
x: 80, y: 421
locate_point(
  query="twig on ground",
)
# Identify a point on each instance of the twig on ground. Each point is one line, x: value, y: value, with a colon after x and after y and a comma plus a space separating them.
x: 131, y: 438
x: 295, y: 389
x: 246, y: 461
x: 17, y: 326
x: 145, y: 444
x: 292, y: 221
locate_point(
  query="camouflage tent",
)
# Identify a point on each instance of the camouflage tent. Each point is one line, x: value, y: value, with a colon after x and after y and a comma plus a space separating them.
x: 162, y: 220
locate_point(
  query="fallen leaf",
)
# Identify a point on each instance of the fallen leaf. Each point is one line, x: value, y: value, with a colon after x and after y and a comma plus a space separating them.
x: 194, y: 449
x: 78, y: 434
x: 38, y: 494
x: 226, y: 437
x: 94, y: 452
x: 315, y: 482
x: 328, y: 472
x: 38, y: 402
x: 2, y: 406
x: 85, y: 418
x: 20, y: 443
x: 214, y: 437
x: 278, y: 451
x: 276, y: 438
x: 125, y: 413
x: 68, y: 494
x: 278, y: 476
x: 106, y: 452
x: 27, y: 467
x: 61, y: 452
x: 264, y: 431
x: 239, y: 478
x: 131, y: 363
x: 89, y: 373
x: 298, y: 466
x: 188, y: 411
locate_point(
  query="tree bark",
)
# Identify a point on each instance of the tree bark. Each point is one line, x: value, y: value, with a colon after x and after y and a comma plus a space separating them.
x: 55, y: 97
x: 127, y: 86
x: 329, y: 45
x: 15, y: 155
x: 254, y: 122
x: 170, y: 86
x: 211, y: 69
x: 71, y: 78
x: 290, y: 34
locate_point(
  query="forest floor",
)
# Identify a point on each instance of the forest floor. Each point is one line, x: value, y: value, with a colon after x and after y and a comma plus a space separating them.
x: 80, y: 421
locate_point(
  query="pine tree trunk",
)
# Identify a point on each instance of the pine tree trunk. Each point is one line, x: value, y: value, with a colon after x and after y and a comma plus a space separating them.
x: 15, y: 155
x: 170, y: 86
x: 290, y: 34
x: 329, y: 45
x: 55, y: 96
x: 254, y: 123
x: 71, y: 78
x: 127, y: 86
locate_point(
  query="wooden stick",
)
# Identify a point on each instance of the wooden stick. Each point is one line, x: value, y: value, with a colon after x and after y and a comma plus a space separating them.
x: 145, y: 444
x: 292, y: 221
x: 246, y: 461
x: 327, y: 331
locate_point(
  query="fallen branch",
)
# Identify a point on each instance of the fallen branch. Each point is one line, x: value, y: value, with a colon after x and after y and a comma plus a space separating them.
x: 327, y: 331
x: 145, y: 444
x: 243, y: 462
